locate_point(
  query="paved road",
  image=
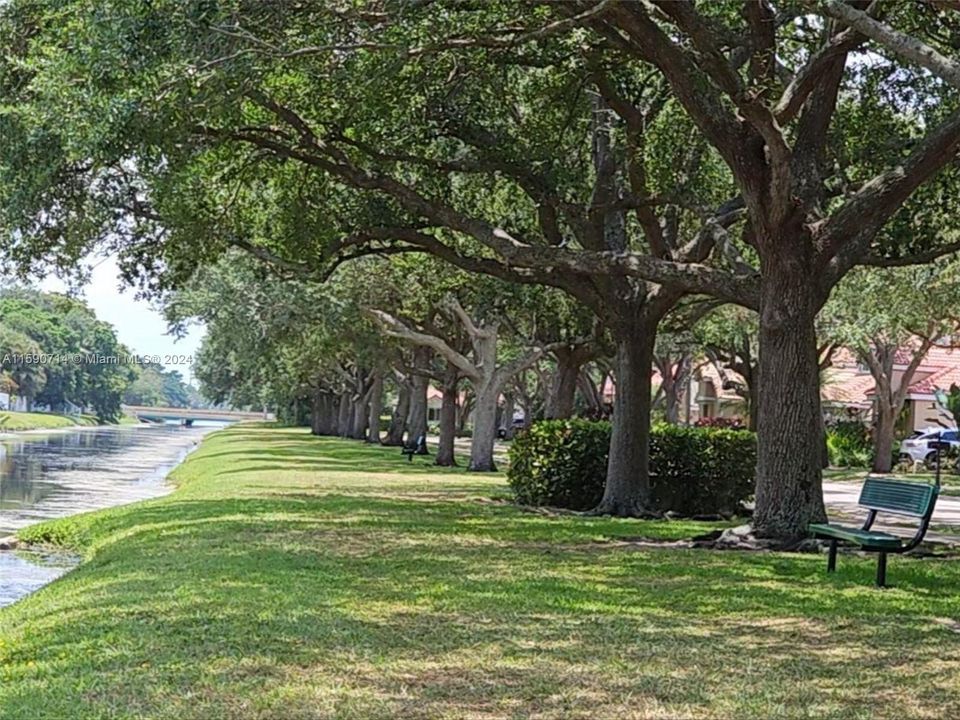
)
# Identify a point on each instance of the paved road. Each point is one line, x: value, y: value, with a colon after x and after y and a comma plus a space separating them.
x: 841, y: 500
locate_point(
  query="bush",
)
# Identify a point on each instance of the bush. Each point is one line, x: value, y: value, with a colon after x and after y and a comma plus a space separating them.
x: 720, y: 422
x: 561, y: 463
x: 693, y: 471
x: 848, y: 444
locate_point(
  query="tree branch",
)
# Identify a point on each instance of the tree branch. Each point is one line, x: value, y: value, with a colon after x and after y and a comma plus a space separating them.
x: 906, y: 46
x: 846, y: 233
x: 806, y: 80
x: 394, y: 328
x: 922, y: 258
x: 629, y: 24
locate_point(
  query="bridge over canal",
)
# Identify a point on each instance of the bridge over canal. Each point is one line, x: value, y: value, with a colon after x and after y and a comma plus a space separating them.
x: 188, y: 415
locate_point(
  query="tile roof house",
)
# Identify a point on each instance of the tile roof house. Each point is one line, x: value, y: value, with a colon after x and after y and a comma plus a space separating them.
x: 847, y: 388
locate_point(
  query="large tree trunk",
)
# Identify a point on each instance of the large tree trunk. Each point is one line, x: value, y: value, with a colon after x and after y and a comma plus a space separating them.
x: 563, y: 390
x: 753, y: 407
x: 789, y: 493
x: 330, y: 408
x: 375, y: 409
x: 358, y: 430
x: 673, y: 383
x: 484, y: 426
x: 464, y: 412
x: 883, y: 436
x: 881, y: 359
x: 627, y: 489
x: 344, y: 415
x: 398, y: 422
x: 417, y: 419
x: 316, y: 413
x: 588, y: 390
x: 448, y: 418
x: 323, y: 420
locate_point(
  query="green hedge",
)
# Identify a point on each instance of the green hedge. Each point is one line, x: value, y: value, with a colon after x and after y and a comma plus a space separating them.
x: 693, y: 471
x: 849, y: 445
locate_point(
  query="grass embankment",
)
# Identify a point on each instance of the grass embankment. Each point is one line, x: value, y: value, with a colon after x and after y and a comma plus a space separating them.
x: 20, y: 421
x: 295, y: 577
x: 17, y: 421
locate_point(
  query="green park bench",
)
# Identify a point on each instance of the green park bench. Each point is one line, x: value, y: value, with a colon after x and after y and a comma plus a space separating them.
x: 417, y: 447
x: 883, y: 495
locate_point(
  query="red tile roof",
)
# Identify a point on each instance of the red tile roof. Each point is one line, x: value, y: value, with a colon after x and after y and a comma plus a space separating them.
x: 846, y: 382
x: 942, y: 378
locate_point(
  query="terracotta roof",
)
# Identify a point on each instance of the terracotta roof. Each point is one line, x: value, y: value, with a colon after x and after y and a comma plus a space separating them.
x: 845, y: 382
x: 708, y: 371
x: 846, y: 386
x: 942, y: 378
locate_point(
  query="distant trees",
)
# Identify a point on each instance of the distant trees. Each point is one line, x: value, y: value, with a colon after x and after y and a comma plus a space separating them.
x: 20, y: 379
x: 305, y: 349
x: 155, y: 385
x: 891, y: 320
x: 330, y: 354
x: 52, y: 349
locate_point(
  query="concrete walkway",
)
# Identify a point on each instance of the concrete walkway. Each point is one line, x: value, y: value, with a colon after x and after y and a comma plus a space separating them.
x: 841, y: 501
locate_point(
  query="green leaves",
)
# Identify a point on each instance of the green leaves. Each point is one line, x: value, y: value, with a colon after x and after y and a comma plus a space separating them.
x: 892, y: 306
x: 562, y: 463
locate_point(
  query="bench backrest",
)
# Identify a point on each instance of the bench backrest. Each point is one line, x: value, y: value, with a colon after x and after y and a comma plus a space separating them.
x: 897, y: 496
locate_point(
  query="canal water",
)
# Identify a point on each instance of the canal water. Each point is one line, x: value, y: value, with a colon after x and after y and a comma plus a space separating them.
x: 55, y: 475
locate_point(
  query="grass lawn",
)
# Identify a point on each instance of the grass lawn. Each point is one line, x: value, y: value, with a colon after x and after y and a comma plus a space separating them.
x: 19, y: 421
x: 16, y: 421
x: 297, y: 577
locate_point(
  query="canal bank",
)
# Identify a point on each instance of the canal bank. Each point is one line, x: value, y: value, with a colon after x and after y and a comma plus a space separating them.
x: 51, y: 475
x: 13, y: 421
x: 292, y: 576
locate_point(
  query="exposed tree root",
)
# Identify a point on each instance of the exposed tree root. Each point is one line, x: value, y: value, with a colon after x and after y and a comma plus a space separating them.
x: 624, y: 509
x: 744, y: 537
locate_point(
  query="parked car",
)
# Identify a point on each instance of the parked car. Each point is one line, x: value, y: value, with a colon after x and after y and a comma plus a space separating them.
x: 504, y: 432
x: 921, y: 446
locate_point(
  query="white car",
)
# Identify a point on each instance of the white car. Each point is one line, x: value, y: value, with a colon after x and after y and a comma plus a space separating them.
x: 921, y: 446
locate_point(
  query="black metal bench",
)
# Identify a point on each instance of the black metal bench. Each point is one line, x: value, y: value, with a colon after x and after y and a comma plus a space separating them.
x: 883, y: 495
x: 418, y: 447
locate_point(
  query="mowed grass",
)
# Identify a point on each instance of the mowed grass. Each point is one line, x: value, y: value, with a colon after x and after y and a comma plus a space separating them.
x: 18, y: 421
x: 297, y: 577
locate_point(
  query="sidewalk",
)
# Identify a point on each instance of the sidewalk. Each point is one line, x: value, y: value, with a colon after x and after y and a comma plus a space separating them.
x: 841, y: 499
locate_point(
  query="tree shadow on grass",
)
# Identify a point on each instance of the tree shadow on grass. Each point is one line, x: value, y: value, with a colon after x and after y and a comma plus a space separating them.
x: 318, y: 604
x: 222, y: 606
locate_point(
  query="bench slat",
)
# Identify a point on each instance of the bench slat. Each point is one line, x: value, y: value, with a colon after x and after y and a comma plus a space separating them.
x: 865, y: 538
x: 896, y: 496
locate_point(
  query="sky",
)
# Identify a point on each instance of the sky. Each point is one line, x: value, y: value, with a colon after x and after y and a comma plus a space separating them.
x: 138, y: 325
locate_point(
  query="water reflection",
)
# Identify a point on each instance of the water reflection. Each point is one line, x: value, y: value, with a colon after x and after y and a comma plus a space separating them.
x: 23, y: 572
x: 49, y: 476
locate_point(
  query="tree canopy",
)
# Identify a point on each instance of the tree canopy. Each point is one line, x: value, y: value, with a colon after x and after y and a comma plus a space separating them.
x: 626, y: 153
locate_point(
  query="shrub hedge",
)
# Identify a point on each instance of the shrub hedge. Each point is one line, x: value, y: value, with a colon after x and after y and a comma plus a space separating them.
x: 693, y: 471
x: 849, y: 445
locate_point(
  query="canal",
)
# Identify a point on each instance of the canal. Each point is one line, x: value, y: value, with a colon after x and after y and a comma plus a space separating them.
x: 55, y: 475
